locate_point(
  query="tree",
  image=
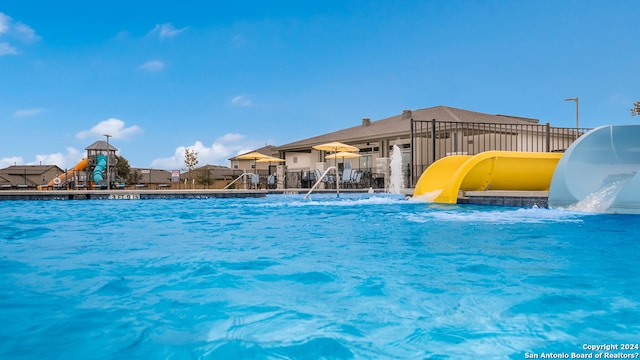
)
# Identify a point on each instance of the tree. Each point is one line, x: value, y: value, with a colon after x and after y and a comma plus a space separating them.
x: 636, y: 109
x: 190, y: 160
x: 122, y: 168
x: 124, y: 173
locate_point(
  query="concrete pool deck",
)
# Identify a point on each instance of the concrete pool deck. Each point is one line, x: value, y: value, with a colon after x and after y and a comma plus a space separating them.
x: 496, y: 198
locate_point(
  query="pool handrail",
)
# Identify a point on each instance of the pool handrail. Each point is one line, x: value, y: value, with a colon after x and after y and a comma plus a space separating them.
x: 320, y: 180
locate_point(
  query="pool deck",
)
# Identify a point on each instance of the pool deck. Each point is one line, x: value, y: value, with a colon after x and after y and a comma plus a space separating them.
x: 495, y: 198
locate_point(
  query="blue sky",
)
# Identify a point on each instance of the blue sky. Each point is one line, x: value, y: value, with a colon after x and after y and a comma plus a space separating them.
x: 224, y: 77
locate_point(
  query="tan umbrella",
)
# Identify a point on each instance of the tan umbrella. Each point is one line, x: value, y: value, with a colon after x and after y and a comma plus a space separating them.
x: 335, y: 147
x: 343, y: 155
x: 270, y: 159
x: 254, y: 155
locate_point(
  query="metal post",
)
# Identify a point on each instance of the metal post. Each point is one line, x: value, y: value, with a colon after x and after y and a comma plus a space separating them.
x: 108, y: 158
x: 433, y: 140
x: 413, y: 147
x: 548, y: 131
x: 576, y: 100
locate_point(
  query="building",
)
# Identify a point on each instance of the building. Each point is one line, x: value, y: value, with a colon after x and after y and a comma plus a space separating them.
x: 150, y: 178
x: 27, y: 176
x: 209, y: 177
x: 423, y: 136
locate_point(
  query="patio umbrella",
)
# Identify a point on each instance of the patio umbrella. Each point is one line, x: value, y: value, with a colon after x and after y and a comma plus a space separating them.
x: 254, y: 155
x: 270, y: 159
x: 344, y: 155
x: 335, y: 147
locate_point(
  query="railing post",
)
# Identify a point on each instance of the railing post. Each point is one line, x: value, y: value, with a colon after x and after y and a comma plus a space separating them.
x: 433, y: 141
x: 548, y: 130
x: 413, y: 149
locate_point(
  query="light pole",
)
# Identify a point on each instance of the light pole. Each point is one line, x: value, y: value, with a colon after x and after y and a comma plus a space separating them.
x: 576, y: 100
x: 108, y: 151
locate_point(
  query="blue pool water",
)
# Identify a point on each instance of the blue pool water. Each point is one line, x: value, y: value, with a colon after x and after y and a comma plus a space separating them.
x: 360, y: 276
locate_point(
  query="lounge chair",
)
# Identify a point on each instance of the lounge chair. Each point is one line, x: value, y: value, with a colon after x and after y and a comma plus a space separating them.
x: 254, y: 180
x: 346, y: 176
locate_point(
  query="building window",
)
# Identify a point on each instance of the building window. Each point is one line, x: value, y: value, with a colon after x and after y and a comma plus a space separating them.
x: 295, y: 159
x: 236, y: 164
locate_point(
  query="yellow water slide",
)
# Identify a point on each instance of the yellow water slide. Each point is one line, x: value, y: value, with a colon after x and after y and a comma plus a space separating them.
x: 489, y: 170
x: 70, y: 174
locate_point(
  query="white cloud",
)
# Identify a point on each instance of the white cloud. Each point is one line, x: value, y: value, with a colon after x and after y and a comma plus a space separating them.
x: 25, y: 33
x: 14, y: 30
x: 152, y: 66
x: 7, y: 49
x: 8, y: 161
x: 4, y: 23
x: 28, y: 112
x: 166, y: 30
x: 114, y: 127
x: 217, y: 153
x: 63, y: 160
x: 241, y: 100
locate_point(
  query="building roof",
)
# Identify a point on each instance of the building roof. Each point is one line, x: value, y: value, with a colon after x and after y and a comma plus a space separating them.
x: 22, y: 170
x: 101, y: 145
x: 399, y: 125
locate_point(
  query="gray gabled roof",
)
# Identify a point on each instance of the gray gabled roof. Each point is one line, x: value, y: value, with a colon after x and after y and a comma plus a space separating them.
x: 101, y: 145
x: 399, y: 125
x: 21, y: 170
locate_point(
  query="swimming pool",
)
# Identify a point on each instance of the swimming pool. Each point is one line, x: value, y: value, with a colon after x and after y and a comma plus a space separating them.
x: 360, y: 276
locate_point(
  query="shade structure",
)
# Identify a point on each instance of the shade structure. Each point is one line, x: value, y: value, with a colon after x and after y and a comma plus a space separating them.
x: 335, y: 147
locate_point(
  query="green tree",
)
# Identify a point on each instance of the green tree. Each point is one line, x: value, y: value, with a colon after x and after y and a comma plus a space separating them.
x: 190, y: 160
x: 635, y: 110
x: 122, y: 167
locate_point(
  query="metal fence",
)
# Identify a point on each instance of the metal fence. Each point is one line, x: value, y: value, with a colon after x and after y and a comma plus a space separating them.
x: 432, y: 140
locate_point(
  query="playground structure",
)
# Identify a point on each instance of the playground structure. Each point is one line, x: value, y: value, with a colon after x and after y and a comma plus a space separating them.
x: 490, y: 170
x: 599, y: 172
x: 95, y: 170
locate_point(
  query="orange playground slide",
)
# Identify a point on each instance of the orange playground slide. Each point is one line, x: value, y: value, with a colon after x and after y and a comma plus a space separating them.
x: 70, y: 174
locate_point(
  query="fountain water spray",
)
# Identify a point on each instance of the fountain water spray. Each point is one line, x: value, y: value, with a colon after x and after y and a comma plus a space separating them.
x: 396, y: 183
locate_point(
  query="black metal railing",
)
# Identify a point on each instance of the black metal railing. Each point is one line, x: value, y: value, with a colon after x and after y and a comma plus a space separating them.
x: 432, y: 140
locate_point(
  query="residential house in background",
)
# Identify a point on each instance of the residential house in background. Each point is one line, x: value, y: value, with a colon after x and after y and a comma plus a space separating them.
x: 27, y: 176
x: 423, y: 136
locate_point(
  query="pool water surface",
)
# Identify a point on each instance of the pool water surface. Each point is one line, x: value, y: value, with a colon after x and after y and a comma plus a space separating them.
x: 359, y: 276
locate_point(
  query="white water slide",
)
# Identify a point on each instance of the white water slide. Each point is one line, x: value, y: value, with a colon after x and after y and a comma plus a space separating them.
x: 599, y: 172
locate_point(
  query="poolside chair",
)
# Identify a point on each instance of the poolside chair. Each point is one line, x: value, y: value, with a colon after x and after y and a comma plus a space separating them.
x: 254, y: 180
x: 356, y: 178
x: 271, y: 181
x: 346, y: 176
x: 328, y: 179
